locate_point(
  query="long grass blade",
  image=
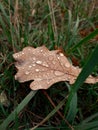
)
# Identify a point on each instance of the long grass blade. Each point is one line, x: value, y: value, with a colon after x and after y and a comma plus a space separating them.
x: 51, y: 113
x: 74, y: 34
x: 87, y: 38
x: 72, y: 109
x: 88, y: 126
x: 86, y: 71
x: 11, y: 117
x: 90, y: 118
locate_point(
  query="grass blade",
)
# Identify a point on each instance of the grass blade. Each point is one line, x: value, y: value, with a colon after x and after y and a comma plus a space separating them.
x: 90, y: 118
x: 86, y: 71
x: 11, y: 117
x: 72, y: 110
x: 51, y: 113
x: 87, y: 38
x: 4, y: 13
x: 88, y: 126
x: 74, y: 34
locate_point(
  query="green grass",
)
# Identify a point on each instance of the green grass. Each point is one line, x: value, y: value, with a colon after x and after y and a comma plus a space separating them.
x: 56, y: 25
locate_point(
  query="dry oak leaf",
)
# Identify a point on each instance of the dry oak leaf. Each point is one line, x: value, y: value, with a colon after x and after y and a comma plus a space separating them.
x: 45, y: 68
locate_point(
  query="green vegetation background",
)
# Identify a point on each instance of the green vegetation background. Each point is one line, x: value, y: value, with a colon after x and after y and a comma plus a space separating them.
x: 69, y: 25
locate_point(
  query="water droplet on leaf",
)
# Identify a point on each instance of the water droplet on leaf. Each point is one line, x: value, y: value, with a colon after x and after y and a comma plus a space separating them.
x: 58, y: 73
x: 30, y: 66
x: 67, y: 65
x: 39, y: 62
x: 27, y: 72
x: 37, y: 70
x: 45, y: 64
x: 34, y: 65
x: 61, y: 54
x: 22, y: 53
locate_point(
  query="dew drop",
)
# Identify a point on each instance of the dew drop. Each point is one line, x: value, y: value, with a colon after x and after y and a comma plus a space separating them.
x: 41, y: 50
x: 67, y: 65
x: 90, y: 76
x: 39, y: 62
x: 61, y: 54
x: 30, y: 66
x: 58, y: 57
x: 15, y: 77
x: 22, y: 53
x: 27, y: 72
x: 33, y: 64
x: 58, y: 73
x: 17, y: 55
x: 38, y: 79
x: 37, y: 70
x: 45, y: 64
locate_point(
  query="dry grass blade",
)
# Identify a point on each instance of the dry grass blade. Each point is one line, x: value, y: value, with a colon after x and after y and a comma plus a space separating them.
x: 45, y: 68
x: 59, y: 113
x: 50, y: 114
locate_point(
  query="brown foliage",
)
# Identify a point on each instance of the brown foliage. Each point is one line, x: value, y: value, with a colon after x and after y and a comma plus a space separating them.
x: 45, y: 68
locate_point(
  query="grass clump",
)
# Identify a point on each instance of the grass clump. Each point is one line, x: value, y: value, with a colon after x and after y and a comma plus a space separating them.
x: 70, y: 26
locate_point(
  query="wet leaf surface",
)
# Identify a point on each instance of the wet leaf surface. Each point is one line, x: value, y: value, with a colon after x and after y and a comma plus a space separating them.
x: 45, y: 68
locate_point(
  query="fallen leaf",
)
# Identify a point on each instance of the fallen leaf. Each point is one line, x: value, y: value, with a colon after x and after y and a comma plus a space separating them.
x: 45, y: 68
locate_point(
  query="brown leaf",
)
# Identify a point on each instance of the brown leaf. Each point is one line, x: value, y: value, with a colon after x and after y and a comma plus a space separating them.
x: 45, y: 68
